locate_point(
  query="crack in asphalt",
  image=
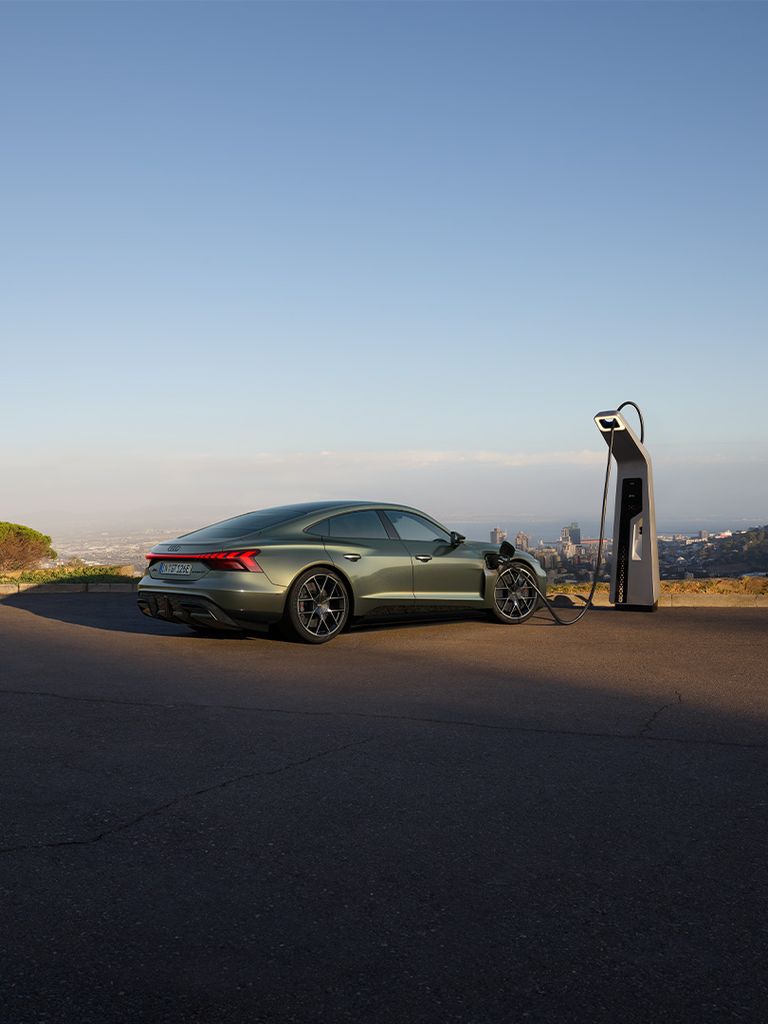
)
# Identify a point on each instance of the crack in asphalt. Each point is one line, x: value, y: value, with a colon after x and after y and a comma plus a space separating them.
x: 160, y: 808
x: 641, y: 734
x: 650, y: 723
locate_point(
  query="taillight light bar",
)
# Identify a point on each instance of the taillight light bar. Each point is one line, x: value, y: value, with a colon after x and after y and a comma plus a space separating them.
x: 240, y: 561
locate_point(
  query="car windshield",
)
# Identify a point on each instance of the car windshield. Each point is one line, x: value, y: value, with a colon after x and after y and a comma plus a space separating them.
x: 251, y: 522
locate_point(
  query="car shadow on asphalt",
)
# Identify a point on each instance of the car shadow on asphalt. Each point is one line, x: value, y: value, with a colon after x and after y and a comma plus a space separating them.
x: 119, y: 613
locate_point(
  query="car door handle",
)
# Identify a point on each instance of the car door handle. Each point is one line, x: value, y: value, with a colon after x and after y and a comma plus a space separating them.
x: 353, y: 558
x: 423, y: 558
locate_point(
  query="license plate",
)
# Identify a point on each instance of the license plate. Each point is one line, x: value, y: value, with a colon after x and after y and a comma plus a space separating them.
x: 175, y: 568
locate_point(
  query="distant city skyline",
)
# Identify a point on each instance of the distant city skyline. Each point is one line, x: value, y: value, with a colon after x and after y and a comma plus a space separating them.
x: 261, y: 252
x: 546, y: 531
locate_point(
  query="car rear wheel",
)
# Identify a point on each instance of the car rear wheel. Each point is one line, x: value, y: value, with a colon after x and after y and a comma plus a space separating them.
x: 515, y: 597
x: 318, y: 607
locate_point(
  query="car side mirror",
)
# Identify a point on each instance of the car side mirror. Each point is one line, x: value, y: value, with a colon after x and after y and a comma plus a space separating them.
x: 506, y: 550
x: 457, y: 538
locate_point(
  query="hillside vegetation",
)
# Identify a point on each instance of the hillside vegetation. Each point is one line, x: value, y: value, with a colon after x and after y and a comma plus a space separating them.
x: 746, y: 552
x: 738, y: 585
x: 124, y: 574
x: 72, y: 574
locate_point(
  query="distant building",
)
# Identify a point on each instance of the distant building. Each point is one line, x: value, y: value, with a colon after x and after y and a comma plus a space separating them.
x: 548, y: 557
x: 498, y: 535
x: 703, y: 534
x: 523, y: 541
x: 571, y: 534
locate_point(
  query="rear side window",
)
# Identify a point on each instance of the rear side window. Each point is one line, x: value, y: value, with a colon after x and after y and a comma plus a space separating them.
x: 320, y: 529
x: 357, y: 526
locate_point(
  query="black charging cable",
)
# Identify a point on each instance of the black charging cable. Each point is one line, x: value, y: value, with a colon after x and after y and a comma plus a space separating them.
x: 636, y: 407
x: 587, y: 600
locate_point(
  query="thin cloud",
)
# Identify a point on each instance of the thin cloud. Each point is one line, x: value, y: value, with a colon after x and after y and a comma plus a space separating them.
x: 408, y: 459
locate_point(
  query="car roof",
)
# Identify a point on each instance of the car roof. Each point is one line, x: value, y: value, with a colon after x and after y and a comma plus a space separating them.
x: 301, y: 508
x: 283, y: 520
x: 310, y: 513
x: 322, y: 506
x: 288, y: 517
x: 329, y: 507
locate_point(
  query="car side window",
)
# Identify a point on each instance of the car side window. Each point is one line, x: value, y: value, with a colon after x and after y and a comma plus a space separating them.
x: 320, y: 529
x: 357, y: 526
x: 413, y: 527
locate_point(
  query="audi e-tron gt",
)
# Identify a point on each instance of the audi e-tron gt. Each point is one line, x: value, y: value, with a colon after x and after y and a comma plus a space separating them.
x: 315, y: 568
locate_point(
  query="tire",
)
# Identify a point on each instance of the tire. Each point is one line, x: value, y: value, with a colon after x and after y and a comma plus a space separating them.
x: 318, y: 607
x: 515, y: 597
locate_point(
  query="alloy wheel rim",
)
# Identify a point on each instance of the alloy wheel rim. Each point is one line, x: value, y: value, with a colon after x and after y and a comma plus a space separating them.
x: 515, y: 594
x: 321, y: 605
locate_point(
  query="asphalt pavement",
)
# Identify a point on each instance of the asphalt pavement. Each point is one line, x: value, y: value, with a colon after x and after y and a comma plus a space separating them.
x: 439, y: 823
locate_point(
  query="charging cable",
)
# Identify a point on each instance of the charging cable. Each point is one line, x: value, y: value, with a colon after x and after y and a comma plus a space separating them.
x: 636, y: 407
x: 587, y: 600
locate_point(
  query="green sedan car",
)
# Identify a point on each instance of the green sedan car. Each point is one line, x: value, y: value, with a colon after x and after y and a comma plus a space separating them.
x: 319, y: 567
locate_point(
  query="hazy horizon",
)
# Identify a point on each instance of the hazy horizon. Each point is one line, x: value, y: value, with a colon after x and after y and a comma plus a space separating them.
x: 553, y: 491
x: 454, y: 486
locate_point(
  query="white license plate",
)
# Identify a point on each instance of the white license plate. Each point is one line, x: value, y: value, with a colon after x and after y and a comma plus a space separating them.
x: 175, y: 568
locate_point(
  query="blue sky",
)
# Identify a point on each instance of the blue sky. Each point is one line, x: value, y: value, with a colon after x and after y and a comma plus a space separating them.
x: 427, y: 240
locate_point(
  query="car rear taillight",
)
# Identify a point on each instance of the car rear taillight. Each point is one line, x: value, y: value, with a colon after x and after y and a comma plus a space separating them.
x: 233, y: 560
x: 238, y: 561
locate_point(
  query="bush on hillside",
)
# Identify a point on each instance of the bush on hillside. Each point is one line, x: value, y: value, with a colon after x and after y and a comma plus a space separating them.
x: 21, y: 547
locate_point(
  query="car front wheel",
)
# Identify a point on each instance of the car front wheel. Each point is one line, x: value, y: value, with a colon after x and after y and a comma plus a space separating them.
x: 317, y: 608
x: 515, y: 597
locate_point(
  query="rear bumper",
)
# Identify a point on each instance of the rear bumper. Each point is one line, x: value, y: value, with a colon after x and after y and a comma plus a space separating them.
x: 221, y: 609
x: 186, y: 608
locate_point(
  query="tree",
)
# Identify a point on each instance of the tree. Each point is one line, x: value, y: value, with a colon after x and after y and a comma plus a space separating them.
x: 22, y: 547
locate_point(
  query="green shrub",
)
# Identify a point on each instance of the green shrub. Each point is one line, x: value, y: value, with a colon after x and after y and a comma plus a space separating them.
x: 21, y: 547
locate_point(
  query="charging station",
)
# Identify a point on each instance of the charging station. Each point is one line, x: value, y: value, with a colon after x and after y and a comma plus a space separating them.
x: 635, y: 568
